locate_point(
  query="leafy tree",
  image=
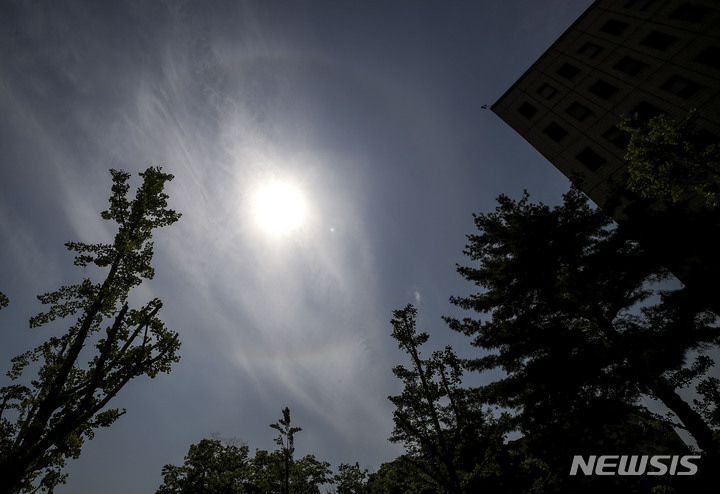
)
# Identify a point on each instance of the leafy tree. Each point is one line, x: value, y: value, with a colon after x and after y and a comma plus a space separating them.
x: 214, y: 467
x: 437, y: 419
x: 400, y: 476
x: 211, y: 467
x: 308, y: 474
x: 575, y: 319
x: 671, y: 159
x: 350, y: 479
x: 46, y: 421
x: 266, y: 474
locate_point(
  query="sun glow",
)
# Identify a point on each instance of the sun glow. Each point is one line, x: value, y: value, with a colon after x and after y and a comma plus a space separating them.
x: 279, y: 208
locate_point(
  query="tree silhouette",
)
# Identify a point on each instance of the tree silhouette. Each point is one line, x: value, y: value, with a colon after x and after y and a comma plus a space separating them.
x: 449, y: 438
x: 574, y: 316
x: 45, y: 421
x: 211, y: 467
x: 214, y: 467
x: 286, y: 441
x: 350, y: 479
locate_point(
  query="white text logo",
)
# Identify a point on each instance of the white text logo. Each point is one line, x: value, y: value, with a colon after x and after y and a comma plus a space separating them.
x: 635, y: 465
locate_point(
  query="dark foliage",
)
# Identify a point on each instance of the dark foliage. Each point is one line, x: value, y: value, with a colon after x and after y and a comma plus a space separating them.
x: 573, y: 313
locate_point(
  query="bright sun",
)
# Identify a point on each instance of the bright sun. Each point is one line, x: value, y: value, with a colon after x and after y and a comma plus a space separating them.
x: 279, y: 207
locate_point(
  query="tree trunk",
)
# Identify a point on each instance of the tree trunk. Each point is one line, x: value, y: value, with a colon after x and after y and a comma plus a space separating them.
x: 691, y: 420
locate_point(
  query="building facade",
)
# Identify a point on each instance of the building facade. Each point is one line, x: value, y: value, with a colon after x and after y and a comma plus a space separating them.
x: 620, y: 57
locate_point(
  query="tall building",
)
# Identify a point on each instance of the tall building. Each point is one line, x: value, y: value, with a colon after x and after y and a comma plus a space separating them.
x: 623, y: 57
x: 620, y: 56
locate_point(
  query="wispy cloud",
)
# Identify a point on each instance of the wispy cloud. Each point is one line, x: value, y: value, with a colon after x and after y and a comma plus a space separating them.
x: 292, y: 314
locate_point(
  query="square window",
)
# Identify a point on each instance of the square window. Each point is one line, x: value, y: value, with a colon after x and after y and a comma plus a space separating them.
x: 681, y: 86
x: 646, y: 111
x: 603, y: 89
x: 710, y: 56
x: 658, y: 40
x: 547, y: 91
x: 618, y: 137
x: 638, y: 4
x: 629, y: 65
x: 555, y: 132
x: 614, y: 27
x: 591, y: 159
x: 590, y: 50
x: 568, y: 71
x: 690, y: 13
x: 578, y: 111
x: 527, y: 110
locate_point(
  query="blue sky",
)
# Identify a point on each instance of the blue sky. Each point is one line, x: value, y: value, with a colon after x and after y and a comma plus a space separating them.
x: 373, y: 109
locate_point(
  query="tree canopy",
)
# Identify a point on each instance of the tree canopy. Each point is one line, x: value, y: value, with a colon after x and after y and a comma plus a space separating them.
x: 45, y: 420
x: 216, y: 467
x: 211, y: 467
x: 350, y: 479
x: 582, y: 323
x: 671, y: 159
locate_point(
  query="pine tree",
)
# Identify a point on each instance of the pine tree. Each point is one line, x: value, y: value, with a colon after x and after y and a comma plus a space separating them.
x: 574, y: 314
